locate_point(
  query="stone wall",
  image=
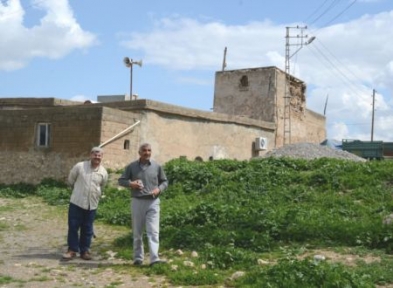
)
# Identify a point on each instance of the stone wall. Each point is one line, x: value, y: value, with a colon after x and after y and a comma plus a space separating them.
x: 246, y: 92
x: 32, y: 167
x: 74, y: 131
x: 30, y: 103
x: 175, y: 131
x: 310, y: 128
x: 181, y: 136
x: 259, y: 93
x: 120, y: 136
x: 171, y: 130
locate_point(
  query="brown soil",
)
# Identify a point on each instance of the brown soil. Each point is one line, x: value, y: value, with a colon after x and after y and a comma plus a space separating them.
x: 33, y: 239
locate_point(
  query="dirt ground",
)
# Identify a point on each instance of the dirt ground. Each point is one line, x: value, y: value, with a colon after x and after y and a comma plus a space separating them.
x: 33, y: 238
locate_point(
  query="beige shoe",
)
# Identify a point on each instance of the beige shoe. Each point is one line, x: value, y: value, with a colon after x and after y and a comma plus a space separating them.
x: 86, y: 255
x: 69, y: 255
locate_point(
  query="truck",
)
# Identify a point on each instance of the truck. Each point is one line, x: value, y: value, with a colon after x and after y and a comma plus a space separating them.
x: 372, y: 150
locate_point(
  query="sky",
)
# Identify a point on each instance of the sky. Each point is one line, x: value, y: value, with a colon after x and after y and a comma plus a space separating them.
x: 74, y: 49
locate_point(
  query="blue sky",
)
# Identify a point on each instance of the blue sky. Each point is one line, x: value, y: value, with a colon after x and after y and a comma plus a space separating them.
x: 74, y: 50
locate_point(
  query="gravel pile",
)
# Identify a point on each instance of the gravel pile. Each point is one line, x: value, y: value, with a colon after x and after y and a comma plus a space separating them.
x: 311, y: 151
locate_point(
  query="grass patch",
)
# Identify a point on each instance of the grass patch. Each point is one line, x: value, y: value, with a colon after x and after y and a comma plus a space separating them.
x: 266, y: 218
x: 7, y: 280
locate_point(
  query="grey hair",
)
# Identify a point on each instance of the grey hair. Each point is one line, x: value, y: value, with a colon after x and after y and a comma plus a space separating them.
x: 143, y: 146
x: 97, y: 149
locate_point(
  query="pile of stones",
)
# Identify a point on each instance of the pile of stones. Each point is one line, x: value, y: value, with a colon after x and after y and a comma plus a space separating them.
x: 312, y: 151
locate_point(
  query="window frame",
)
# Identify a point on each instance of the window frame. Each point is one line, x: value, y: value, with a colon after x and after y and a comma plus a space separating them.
x: 43, y: 130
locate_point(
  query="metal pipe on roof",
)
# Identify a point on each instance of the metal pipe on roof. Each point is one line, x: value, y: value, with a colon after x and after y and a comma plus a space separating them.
x: 120, y: 134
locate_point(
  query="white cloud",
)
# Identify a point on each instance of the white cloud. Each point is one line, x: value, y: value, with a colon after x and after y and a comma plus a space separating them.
x: 183, y: 44
x: 341, y: 130
x: 346, y: 62
x: 57, y: 34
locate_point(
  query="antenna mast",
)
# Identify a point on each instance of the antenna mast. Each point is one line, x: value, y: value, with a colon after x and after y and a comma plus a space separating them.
x: 224, y: 61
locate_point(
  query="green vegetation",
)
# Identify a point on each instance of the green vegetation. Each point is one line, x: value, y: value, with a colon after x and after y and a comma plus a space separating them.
x: 275, y: 211
x: 7, y: 280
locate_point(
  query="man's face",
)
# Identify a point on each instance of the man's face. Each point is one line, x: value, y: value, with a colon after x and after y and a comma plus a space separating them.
x: 145, y: 153
x: 95, y: 158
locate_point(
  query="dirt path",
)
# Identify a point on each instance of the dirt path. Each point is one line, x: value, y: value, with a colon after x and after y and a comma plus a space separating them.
x: 33, y: 238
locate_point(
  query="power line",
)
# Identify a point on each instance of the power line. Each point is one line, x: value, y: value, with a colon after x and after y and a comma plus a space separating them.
x: 339, y: 14
x: 334, y: 3
x: 315, y: 11
x: 341, y: 75
x: 347, y: 69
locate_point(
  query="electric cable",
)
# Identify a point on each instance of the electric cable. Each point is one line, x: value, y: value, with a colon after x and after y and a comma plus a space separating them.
x: 332, y: 5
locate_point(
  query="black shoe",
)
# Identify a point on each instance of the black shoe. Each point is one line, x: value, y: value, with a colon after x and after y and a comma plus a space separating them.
x: 138, y: 262
x: 157, y: 262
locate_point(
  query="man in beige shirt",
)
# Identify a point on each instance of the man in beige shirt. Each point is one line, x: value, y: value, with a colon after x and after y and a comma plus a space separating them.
x: 87, y: 179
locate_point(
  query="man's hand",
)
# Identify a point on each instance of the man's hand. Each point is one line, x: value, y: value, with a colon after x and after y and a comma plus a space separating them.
x: 155, y: 192
x: 137, y: 184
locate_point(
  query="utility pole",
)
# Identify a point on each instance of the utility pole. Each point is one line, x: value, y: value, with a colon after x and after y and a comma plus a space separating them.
x: 372, y: 118
x: 287, y: 96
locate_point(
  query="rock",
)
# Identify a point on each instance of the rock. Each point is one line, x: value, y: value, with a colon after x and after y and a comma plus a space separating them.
x: 262, y: 262
x: 237, y: 275
x: 188, y: 263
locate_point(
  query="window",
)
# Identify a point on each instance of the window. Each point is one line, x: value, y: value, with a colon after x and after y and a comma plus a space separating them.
x: 243, y: 83
x: 126, y: 144
x: 43, y: 134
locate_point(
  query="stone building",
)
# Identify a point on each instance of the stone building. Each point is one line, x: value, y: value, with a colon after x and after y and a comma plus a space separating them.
x: 43, y: 137
x: 259, y: 93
